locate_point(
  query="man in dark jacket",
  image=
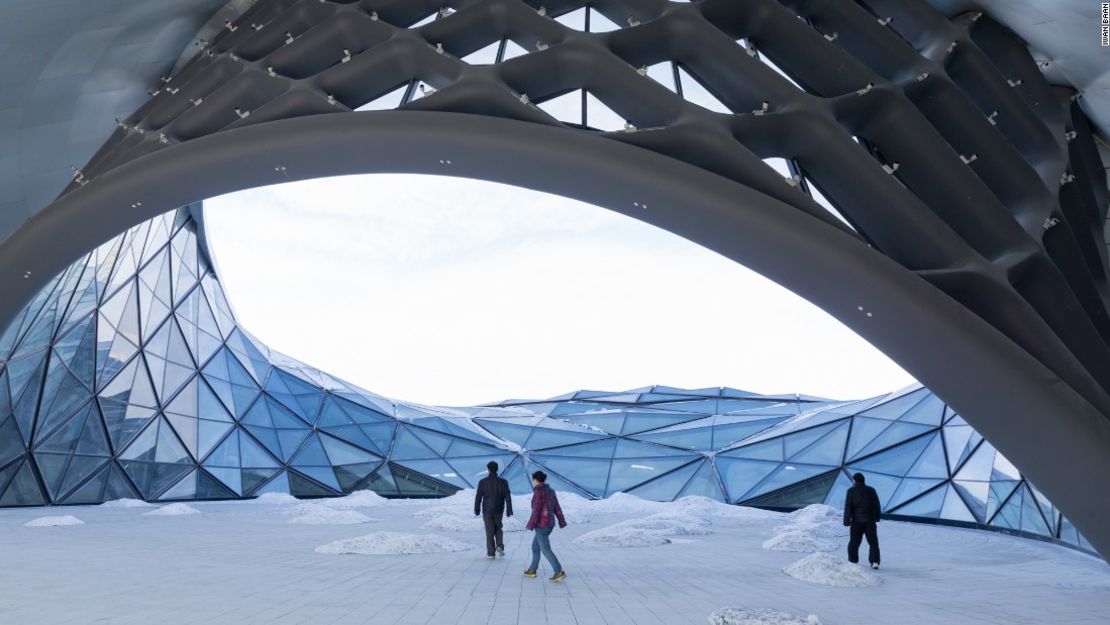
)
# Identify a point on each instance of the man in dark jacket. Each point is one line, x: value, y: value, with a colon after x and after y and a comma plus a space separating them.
x: 861, y: 514
x: 491, y: 501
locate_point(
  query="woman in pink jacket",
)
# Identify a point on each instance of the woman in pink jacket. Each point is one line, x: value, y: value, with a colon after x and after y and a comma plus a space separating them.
x: 545, y: 510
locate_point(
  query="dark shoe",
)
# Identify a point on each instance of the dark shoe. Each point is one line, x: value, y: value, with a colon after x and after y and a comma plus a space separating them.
x: 560, y: 576
x: 529, y: 573
x: 501, y: 551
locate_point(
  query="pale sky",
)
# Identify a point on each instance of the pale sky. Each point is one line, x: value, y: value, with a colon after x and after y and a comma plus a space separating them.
x: 457, y: 292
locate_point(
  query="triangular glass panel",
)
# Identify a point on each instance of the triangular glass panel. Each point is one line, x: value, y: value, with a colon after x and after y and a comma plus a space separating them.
x: 662, y: 73
x: 512, y: 50
x: 588, y: 474
x: 628, y: 472
x: 765, y: 450
x: 895, y: 461
x: 811, y: 491
x: 694, y: 91
x: 575, y: 19
x: 601, y: 24
x: 740, y: 475
x: 931, y: 463
x: 909, y: 488
x: 927, y: 506
x: 704, y: 484
x: 668, y: 487
x: 894, y: 434
x: 340, y: 453
x: 600, y: 116
x: 486, y: 55
x: 566, y: 108
x: 23, y: 490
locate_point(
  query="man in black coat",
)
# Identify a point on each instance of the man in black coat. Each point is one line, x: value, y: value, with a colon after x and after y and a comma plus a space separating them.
x: 861, y: 514
x: 491, y: 501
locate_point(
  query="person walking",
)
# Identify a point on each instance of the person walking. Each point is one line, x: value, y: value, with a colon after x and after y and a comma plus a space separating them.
x: 492, y: 500
x: 861, y: 514
x: 545, y: 510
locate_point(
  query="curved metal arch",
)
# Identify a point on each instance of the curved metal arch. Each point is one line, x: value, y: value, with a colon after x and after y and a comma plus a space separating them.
x: 1014, y: 400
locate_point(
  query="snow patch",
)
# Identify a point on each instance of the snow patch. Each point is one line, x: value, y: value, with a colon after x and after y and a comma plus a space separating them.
x: 126, y: 503
x: 797, y: 540
x: 745, y: 616
x: 275, y: 499
x: 471, y: 523
x: 54, y: 521
x: 706, y: 507
x: 173, y: 509
x: 822, y: 568
x: 818, y: 520
x: 816, y: 513
x: 614, y: 536
x: 318, y: 514
x: 357, y: 499
x: 650, y: 531
x: 393, y: 543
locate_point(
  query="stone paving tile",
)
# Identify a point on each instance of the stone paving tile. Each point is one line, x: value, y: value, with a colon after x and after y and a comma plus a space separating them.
x: 244, y: 564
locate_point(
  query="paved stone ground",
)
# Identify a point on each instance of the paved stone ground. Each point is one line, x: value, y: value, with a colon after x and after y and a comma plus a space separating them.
x: 244, y: 564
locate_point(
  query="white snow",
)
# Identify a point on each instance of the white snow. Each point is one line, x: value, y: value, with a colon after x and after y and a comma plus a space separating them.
x: 652, y: 530
x: 823, y: 568
x: 357, y: 499
x: 255, y: 554
x: 318, y: 514
x: 745, y: 616
x: 54, y: 521
x: 798, y: 540
x: 173, y: 509
x: 816, y: 520
x: 620, y: 535
x: 448, y: 522
x: 394, y: 543
x: 274, y: 499
x: 126, y: 503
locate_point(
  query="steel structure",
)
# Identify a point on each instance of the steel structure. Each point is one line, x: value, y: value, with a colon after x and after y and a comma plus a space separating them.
x: 971, y: 191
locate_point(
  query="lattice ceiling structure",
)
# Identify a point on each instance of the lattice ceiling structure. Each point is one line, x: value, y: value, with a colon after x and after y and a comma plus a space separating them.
x: 916, y: 176
x: 128, y: 376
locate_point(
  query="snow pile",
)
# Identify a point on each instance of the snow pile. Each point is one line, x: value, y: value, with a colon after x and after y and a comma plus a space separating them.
x: 816, y: 513
x: 822, y: 568
x: 318, y: 514
x: 54, y: 521
x: 173, y: 509
x: 470, y: 523
x: 276, y: 499
x: 706, y: 507
x: 744, y: 616
x: 126, y: 503
x: 797, y: 540
x: 619, y: 503
x: 392, y: 543
x: 650, y: 531
x: 623, y: 536
x: 818, y: 520
x: 357, y: 499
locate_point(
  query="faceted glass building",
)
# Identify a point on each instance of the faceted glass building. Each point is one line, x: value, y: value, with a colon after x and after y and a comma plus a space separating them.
x: 128, y: 376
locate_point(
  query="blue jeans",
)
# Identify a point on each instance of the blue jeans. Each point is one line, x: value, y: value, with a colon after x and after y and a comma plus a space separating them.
x: 541, y: 541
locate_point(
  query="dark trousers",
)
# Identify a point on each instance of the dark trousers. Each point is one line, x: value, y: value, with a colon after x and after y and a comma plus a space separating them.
x: 858, y: 531
x: 494, y: 536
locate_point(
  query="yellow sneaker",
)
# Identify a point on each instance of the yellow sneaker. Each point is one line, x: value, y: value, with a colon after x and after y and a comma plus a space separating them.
x: 560, y: 576
x: 529, y: 573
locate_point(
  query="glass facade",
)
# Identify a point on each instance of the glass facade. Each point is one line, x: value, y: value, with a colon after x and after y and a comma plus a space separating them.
x: 128, y: 376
